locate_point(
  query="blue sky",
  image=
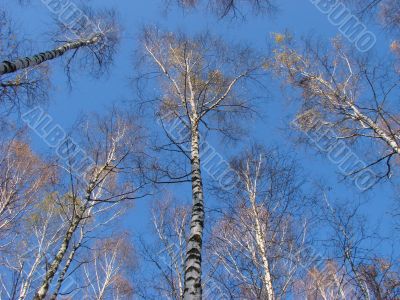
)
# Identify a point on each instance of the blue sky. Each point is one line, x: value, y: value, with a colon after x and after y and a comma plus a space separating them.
x: 88, y: 94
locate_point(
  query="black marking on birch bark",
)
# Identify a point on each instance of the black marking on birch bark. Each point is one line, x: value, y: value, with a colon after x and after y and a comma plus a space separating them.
x: 9, y: 66
x: 194, y: 250
x: 22, y: 63
x: 191, y: 277
x: 43, y: 289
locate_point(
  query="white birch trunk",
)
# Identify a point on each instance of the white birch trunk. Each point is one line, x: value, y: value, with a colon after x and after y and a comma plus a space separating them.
x: 23, y: 63
x: 65, y: 270
x: 42, y: 291
x: 260, y: 240
x: 193, y: 288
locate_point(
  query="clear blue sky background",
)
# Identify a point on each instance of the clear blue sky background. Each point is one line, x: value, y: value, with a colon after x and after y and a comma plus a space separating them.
x: 298, y: 16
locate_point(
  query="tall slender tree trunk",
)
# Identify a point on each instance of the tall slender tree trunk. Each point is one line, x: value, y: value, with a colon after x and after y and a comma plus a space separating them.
x: 23, y: 63
x: 263, y: 252
x: 52, y: 269
x: 65, y: 270
x: 193, y: 288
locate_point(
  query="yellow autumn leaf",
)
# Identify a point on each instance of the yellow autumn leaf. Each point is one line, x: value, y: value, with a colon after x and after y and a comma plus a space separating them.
x: 279, y: 38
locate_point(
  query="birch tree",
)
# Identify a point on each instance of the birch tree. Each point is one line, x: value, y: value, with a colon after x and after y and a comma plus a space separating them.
x: 23, y: 177
x: 23, y: 63
x: 166, y: 254
x: 95, y: 34
x: 351, y: 263
x: 25, y: 256
x: 349, y: 94
x: 329, y: 283
x: 108, y: 183
x: 200, y: 79
x: 380, y: 277
x: 108, y: 275
x: 256, y: 244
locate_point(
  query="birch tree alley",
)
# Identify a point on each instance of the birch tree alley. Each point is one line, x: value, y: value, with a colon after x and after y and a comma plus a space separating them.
x: 155, y: 150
